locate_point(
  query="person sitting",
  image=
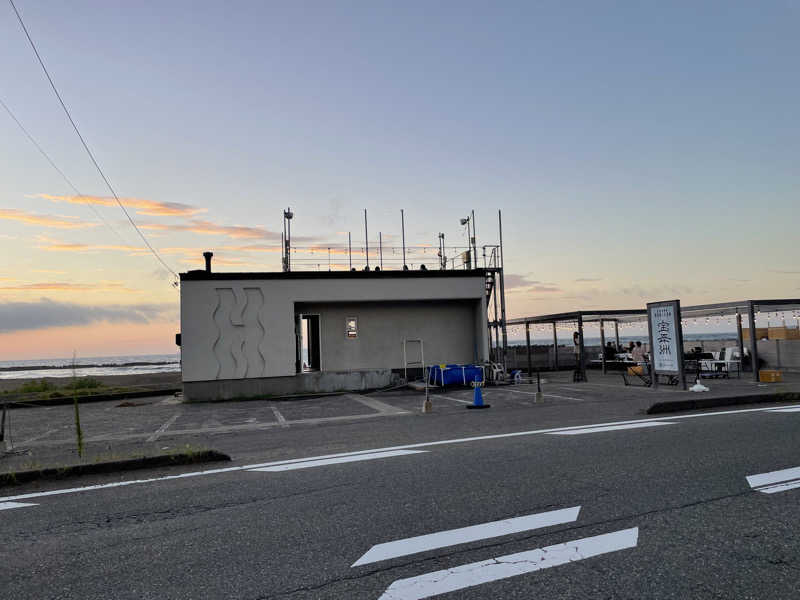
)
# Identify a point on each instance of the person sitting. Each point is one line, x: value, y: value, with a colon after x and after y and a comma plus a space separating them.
x: 610, y: 351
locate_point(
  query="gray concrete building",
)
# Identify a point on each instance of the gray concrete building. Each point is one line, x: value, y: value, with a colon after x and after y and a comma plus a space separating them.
x: 262, y: 334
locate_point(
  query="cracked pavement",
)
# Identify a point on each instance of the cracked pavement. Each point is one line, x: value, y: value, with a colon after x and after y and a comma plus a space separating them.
x: 702, y: 532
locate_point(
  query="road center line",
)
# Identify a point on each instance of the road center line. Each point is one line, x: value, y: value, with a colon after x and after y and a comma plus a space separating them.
x: 335, y: 461
x: 756, y: 481
x: 373, y: 450
x: 608, y: 428
x: 463, y: 535
x: 10, y: 505
x: 511, y: 565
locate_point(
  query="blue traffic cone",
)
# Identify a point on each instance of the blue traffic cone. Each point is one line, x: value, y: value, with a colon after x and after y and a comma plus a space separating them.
x: 477, y: 396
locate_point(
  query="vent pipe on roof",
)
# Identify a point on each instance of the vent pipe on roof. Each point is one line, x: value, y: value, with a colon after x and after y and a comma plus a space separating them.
x: 207, y: 256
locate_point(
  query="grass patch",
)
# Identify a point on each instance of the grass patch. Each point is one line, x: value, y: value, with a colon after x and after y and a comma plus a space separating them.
x: 84, y: 383
x: 32, y: 387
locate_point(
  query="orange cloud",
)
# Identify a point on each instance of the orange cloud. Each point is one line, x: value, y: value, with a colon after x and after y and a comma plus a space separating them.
x: 203, y: 227
x: 65, y: 286
x: 143, y: 207
x: 44, y: 220
x: 46, y: 243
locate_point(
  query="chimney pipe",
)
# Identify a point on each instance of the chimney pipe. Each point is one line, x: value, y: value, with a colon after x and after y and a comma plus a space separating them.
x: 207, y: 256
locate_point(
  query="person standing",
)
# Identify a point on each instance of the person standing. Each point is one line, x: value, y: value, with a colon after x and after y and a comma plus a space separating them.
x: 638, y: 353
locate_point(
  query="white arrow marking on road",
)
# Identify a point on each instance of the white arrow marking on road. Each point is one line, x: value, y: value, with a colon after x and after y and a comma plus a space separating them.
x: 8, y: 505
x: 452, y: 537
x: 335, y: 461
x: 511, y: 565
x: 610, y: 428
x: 775, y: 481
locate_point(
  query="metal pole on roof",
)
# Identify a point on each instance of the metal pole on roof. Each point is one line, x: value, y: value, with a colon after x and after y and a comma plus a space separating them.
x: 555, y: 347
x: 350, y: 250
x: 751, y: 314
x: 739, y: 338
x: 403, y: 228
x: 603, y: 346
x: 502, y: 289
x: 366, y: 238
x: 474, y: 242
x: 380, y: 247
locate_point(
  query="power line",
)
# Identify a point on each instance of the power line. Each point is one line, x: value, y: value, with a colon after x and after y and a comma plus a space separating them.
x: 85, y: 145
x: 60, y: 172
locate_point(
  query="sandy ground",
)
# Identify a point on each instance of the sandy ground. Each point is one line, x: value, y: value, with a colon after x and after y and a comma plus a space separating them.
x: 150, y: 379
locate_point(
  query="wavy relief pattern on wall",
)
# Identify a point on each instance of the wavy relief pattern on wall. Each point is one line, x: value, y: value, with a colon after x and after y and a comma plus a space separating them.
x: 238, y: 345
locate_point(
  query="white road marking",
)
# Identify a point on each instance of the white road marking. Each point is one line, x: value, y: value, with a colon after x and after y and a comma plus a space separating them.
x: 545, y: 395
x: 780, y: 487
x: 279, y: 417
x: 377, y: 405
x: 164, y: 427
x: 785, y: 410
x: 608, y: 428
x: 511, y: 565
x: 450, y: 398
x: 478, y: 438
x: 8, y: 505
x: 463, y: 535
x: 37, y: 437
x: 786, y: 479
x: 335, y: 461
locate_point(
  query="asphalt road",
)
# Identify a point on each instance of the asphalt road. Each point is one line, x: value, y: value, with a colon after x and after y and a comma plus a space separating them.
x: 663, y: 510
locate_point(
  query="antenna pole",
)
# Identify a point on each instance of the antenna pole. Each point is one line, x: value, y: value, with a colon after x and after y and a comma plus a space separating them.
x: 474, y: 241
x: 502, y: 290
x: 403, y: 227
x: 366, y: 238
x: 350, y: 250
x: 380, y: 247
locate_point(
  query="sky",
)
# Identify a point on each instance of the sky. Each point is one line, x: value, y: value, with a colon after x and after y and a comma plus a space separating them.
x: 639, y: 151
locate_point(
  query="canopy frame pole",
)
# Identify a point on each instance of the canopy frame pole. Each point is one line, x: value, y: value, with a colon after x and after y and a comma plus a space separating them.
x: 603, y: 346
x: 528, y: 345
x: 751, y: 314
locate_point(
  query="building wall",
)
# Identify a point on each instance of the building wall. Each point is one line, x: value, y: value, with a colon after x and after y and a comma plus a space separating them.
x: 447, y: 329
x: 238, y: 329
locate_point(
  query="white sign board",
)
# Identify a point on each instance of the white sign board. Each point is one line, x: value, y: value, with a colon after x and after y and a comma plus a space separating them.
x: 666, y: 344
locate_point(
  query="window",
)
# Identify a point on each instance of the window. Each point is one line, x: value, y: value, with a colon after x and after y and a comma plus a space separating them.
x: 351, y: 327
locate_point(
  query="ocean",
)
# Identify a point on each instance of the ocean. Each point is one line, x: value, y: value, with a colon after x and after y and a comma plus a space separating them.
x: 89, y: 366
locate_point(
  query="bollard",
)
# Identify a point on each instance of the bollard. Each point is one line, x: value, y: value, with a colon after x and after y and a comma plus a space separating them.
x: 539, y: 396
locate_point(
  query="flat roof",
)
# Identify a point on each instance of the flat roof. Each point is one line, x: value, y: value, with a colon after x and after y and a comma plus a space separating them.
x: 202, y: 275
x: 719, y: 309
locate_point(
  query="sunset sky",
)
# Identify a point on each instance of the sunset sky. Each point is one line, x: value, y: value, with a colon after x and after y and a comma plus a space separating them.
x: 639, y: 151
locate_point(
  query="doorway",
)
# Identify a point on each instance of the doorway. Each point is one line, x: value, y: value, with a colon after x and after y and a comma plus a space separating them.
x: 308, y: 343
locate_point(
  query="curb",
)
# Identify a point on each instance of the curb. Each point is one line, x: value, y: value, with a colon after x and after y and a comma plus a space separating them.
x: 89, y: 398
x: 112, y: 466
x: 681, y: 405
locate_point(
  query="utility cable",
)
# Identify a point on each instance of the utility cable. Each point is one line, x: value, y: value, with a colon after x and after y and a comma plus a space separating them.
x: 86, y: 146
x: 60, y: 172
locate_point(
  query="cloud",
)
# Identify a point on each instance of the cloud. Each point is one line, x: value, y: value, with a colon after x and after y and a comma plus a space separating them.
x: 45, y: 313
x: 517, y: 281
x: 58, y: 222
x: 784, y: 272
x: 588, y: 279
x: 203, y: 227
x: 143, y: 207
x: 66, y: 286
